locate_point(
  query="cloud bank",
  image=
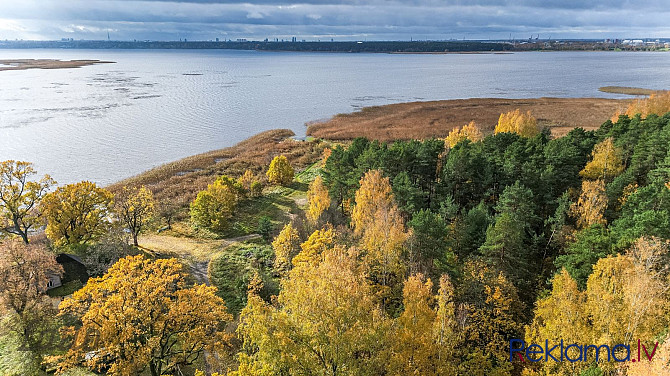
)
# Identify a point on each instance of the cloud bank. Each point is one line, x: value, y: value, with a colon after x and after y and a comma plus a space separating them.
x: 336, y: 19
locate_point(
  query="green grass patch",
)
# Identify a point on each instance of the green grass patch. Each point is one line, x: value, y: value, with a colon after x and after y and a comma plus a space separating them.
x: 14, y: 361
x: 66, y: 289
x: 231, y: 272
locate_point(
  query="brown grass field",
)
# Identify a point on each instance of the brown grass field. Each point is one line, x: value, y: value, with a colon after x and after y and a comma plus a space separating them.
x: 420, y: 120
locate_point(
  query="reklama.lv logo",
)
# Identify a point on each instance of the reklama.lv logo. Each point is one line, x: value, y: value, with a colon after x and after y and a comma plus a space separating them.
x: 576, y: 353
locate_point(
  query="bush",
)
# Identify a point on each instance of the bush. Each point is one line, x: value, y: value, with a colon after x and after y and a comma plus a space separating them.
x: 214, y: 206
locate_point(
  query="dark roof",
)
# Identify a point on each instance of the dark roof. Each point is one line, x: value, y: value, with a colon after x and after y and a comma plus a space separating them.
x: 63, y: 257
x: 73, y: 268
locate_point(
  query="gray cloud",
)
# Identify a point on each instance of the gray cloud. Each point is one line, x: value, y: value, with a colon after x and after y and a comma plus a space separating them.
x: 341, y: 19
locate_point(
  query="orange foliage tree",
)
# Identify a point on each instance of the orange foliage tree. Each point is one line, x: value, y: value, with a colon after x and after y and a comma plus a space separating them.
x: 141, y: 315
x: 25, y: 270
x: 657, y: 103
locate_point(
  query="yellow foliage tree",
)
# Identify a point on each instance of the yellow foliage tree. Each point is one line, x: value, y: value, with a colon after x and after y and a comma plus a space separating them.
x: 561, y: 316
x: 657, y: 103
x: 326, y: 323
x: 318, y: 198
x: 444, y: 328
x: 590, y: 207
x: 77, y: 213
x: 627, y: 294
x: 200, y: 373
x: 326, y: 154
x: 286, y: 245
x: 606, y: 162
x: 626, y: 299
x: 414, y: 348
x: 20, y: 196
x: 314, y: 246
x: 517, y: 122
x: 214, y: 206
x: 378, y: 223
x: 141, y: 315
x: 280, y: 171
x: 495, y: 315
x: 135, y: 207
x: 467, y: 132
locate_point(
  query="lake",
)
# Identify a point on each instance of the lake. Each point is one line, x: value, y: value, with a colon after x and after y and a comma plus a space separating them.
x: 110, y: 121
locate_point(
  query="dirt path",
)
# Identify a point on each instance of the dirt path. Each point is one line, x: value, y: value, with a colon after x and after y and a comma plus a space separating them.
x: 196, y: 253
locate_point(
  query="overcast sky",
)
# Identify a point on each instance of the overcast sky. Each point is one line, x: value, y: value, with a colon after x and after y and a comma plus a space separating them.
x: 338, y: 19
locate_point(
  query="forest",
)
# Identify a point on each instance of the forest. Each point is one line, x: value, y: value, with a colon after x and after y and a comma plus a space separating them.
x: 421, y: 257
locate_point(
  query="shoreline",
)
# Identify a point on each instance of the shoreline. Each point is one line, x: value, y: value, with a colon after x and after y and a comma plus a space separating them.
x: 383, y: 123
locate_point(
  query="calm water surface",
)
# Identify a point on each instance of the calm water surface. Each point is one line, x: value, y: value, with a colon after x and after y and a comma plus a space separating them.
x: 107, y: 122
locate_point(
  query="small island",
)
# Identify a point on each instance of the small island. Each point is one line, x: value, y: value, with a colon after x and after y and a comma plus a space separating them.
x: 22, y: 64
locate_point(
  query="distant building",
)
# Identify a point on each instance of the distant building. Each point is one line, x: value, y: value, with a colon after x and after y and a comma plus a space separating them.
x: 241, y: 40
x: 633, y: 42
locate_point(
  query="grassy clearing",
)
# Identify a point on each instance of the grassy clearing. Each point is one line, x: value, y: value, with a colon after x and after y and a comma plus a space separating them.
x: 196, y: 247
x: 192, y: 249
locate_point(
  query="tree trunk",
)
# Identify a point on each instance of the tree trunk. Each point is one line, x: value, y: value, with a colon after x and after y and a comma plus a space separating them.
x: 23, y: 234
x: 135, y: 240
x: 154, y: 371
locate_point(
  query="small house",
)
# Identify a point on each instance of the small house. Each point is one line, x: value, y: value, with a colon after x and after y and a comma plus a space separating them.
x: 73, y: 270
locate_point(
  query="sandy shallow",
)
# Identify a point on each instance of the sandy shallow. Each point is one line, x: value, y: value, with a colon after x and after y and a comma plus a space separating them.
x: 22, y: 64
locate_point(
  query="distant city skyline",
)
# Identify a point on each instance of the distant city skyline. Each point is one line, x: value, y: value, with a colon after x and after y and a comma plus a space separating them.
x: 341, y: 20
